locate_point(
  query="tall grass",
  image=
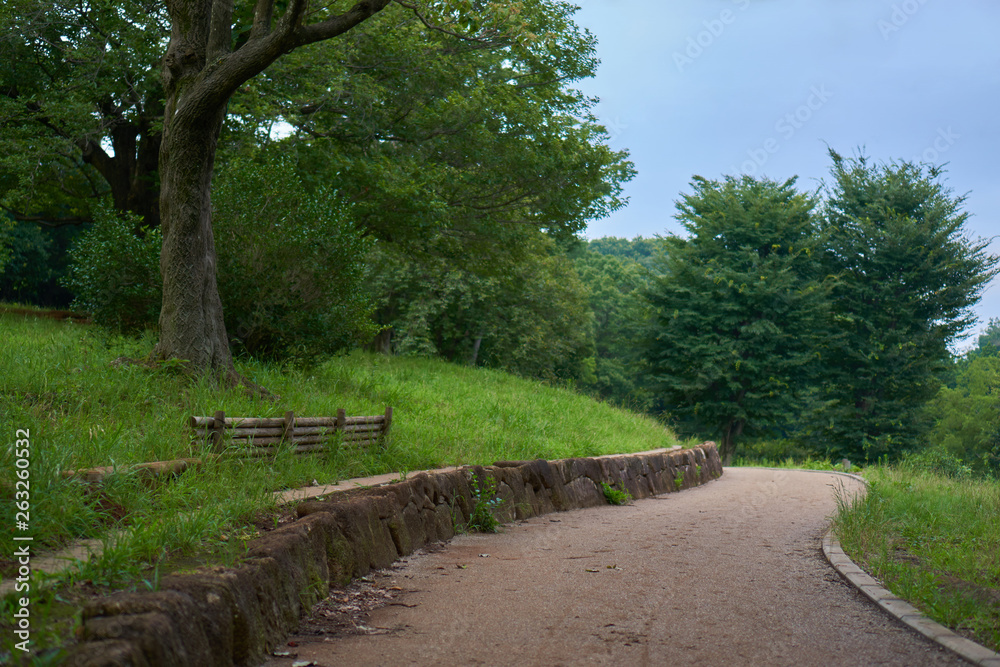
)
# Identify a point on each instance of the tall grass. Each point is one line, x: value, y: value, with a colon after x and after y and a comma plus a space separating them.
x: 803, y: 463
x: 86, y: 404
x: 933, y: 540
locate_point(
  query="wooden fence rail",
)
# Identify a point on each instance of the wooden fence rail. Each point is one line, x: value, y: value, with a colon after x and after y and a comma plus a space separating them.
x: 257, y: 436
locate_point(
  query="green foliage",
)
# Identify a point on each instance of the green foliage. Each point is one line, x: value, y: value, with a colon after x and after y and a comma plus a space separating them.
x: 938, y: 461
x: 907, y: 280
x: 613, y: 284
x: 37, y: 264
x: 966, y: 416
x: 737, y: 313
x: 793, y: 462
x: 291, y: 262
x: 447, y: 148
x: 115, y: 269
x: 485, y: 503
x: 6, y: 241
x: 531, y: 320
x: 773, y: 449
x: 988, y: 343
x: 79, y: 79
x: 616, y: 496
x: 641, y: 250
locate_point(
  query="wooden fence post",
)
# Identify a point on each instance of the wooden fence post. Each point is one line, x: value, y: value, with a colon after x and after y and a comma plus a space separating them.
x: 288, y: 429
x: 388, y: 421
x: 218, y: 425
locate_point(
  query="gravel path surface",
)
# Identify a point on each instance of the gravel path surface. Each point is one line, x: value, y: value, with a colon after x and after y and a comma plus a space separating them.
x: 731, y: 573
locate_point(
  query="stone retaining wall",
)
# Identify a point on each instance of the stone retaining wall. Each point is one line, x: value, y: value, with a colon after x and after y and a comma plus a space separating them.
x: 235, y: 616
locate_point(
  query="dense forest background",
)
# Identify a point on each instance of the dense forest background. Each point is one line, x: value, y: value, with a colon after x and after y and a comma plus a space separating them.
x: 424, y: 191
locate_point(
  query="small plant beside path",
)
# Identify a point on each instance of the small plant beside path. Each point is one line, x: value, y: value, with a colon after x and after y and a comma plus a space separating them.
x: 616, y: 496
x: 485, y: 503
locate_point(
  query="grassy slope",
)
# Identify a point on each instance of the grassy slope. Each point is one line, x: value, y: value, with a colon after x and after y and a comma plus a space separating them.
x: 58, y: 380
x: 933, y: 541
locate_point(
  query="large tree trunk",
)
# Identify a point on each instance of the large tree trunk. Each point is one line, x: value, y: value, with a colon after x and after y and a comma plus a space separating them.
x: 382, y: 342
x: 730, y: 434
x: 191, y: 323
x: 200, y: 74
x: 131, y: 172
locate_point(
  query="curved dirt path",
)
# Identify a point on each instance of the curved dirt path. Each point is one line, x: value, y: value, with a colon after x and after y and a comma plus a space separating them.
x: 731, y: 573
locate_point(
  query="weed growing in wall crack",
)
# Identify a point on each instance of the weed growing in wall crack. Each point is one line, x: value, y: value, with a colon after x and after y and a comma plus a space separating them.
x: 484, y: 503
x: 616, y: 496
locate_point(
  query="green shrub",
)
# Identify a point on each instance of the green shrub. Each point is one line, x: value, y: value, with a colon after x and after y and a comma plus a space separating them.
x: 936, y: 460
x: 114, y: 271
x: 291, y: 262
x: 772, y: 449
x: 966, y: 415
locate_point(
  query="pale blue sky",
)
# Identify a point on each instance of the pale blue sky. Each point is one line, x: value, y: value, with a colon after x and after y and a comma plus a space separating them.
x: 715, y: 87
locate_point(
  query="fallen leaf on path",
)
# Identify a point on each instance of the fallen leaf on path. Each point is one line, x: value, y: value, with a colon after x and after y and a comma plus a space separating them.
x: 591, y: 569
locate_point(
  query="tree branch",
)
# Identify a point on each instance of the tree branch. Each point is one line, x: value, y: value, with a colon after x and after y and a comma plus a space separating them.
x: 545, y: 82
x: 45, y: 221
x: 94, y: 154
x: 337, y: 25
x: 263, y: 13
x: 220, y: 32
x: 219, y: 79
x: 430, y: 26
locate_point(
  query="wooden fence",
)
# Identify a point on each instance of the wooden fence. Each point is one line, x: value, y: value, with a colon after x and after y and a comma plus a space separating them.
x: 256, y: 436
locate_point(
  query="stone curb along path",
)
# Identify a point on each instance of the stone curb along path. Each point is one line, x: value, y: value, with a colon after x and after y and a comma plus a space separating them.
x: 901, y: 609
x: 235, y: 616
